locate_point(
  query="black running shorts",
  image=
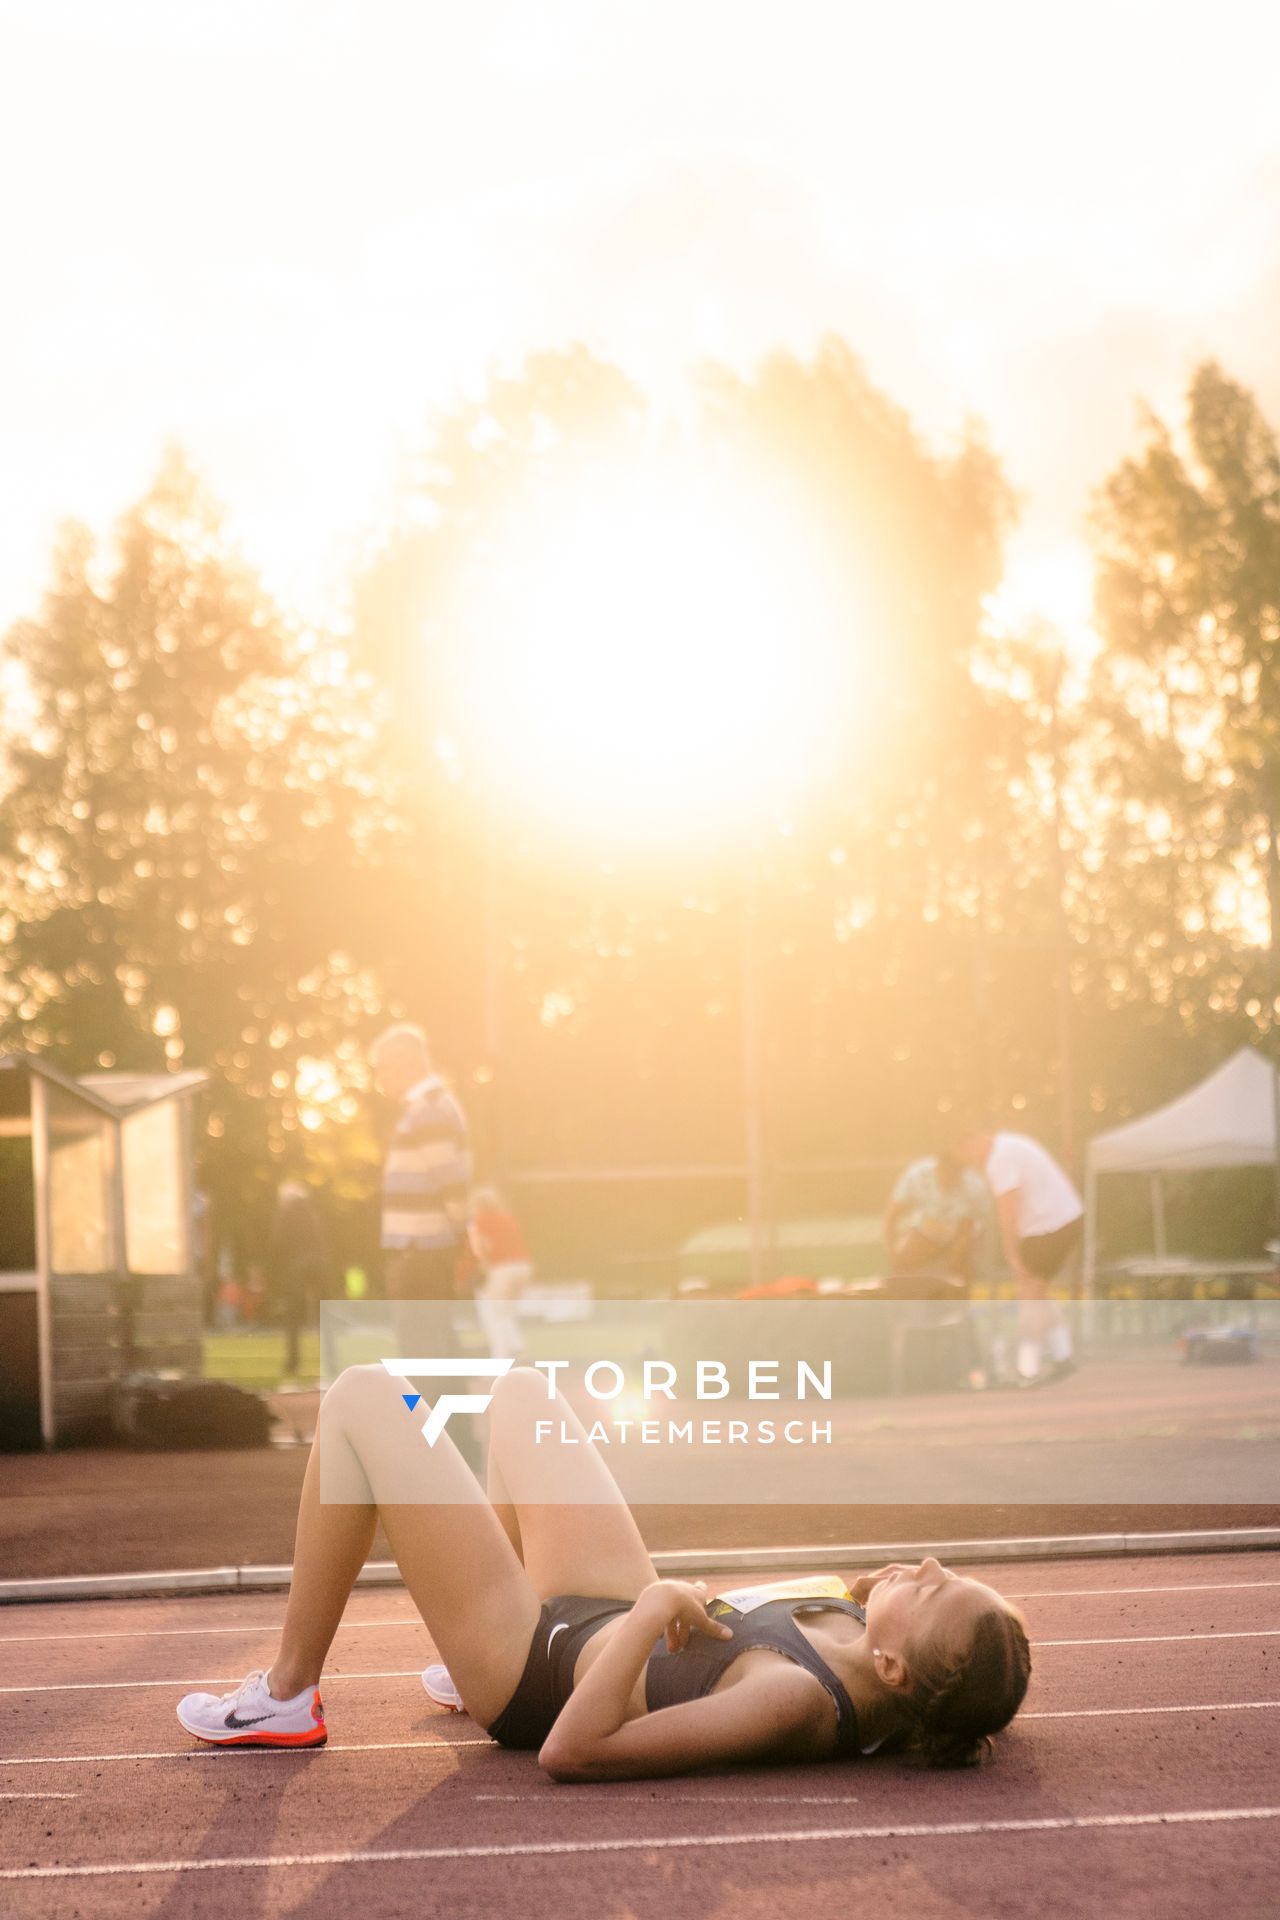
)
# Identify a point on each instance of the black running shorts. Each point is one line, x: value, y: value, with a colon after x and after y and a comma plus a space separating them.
x: 1046, y: 1254
x: 565, y: 1624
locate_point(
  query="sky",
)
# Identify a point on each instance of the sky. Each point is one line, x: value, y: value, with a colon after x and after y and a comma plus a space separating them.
x: 285, y: 232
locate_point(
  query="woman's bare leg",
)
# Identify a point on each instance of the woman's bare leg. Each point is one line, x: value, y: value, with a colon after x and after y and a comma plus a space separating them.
x: 331, y: 1544
x: 501, y: 1502
x: 457, y: 1562
x: 562, y: 1505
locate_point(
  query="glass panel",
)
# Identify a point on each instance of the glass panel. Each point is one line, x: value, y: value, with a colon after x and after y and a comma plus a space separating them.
x: 17, y: 1206
x: 79, y: 1186
x: 155, y: 1228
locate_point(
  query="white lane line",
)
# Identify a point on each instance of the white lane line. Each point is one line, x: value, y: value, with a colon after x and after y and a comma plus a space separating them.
x: 413, y: 1673
x: 687, y: 1800
x: 111, y: 1686
x: 653, y: 1843
x: 274, y: 1622
x: 1105, y: 1593
x: 1111, y: 1713
x: 254, y: 1756
x: 198, y: 1633
x: 41, y: 1793
x: 258, y: 1753
x: 1144, y: 1639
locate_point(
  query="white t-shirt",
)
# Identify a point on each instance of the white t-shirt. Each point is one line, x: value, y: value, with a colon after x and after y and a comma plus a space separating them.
x: 1046, y: 1198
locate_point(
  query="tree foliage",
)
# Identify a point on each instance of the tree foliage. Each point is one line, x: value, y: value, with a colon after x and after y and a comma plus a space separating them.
x: 230, y: 842
x: 1185, y: 723
x: 194, y: 830
x: 621, y: 979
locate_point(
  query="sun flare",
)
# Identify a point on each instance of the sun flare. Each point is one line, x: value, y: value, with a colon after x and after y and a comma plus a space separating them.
x: 655, y: 648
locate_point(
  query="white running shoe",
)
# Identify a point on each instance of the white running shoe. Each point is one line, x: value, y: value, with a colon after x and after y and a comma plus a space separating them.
x: 438, y: 1682
x: 250, y: 1717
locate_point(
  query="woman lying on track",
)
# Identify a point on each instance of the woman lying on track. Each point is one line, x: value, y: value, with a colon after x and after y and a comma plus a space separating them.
x: 560, y: 1637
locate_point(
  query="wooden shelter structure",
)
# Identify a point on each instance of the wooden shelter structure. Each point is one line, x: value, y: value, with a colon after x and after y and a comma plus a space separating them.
x: 98, y: 1274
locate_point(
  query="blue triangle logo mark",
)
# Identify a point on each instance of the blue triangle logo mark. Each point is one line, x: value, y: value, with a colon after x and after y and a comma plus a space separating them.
x: 411, y: 1400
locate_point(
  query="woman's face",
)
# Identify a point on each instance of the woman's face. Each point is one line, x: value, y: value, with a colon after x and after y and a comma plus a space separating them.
x: 926, y: 1612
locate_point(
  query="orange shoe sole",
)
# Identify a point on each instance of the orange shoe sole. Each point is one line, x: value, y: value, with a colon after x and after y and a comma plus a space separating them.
x: 316, y: 1739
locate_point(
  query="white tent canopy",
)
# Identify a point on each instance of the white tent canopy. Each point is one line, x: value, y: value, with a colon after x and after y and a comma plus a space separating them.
x: 1228, y: 1120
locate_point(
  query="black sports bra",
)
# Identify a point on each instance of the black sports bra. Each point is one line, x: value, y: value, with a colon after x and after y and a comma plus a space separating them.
x: 672, y: 1678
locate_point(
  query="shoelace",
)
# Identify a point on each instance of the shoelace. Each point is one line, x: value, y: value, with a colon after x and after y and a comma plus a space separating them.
x: 251, y: 1680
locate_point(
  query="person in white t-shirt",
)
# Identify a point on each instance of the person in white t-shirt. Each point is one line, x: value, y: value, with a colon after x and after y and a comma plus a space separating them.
x: 1040, y: 1217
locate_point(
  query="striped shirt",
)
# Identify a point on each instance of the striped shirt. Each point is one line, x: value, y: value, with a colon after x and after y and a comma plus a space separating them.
x: 424, y: 1182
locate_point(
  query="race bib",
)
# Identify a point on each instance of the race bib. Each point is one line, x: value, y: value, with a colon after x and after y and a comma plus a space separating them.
x: 817, y: 1586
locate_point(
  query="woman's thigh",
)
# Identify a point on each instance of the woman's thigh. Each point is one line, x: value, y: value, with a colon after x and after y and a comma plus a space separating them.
x: 462, y: 1572
x: 577, y: 1532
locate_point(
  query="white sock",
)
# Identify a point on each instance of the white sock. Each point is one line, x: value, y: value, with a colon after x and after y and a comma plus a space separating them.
x: 1059, y: 1342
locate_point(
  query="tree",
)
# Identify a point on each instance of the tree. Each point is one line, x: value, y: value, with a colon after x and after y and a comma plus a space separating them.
x: 1186, y: 701
x: 931, y: 844
x: 618, y: 975
x: 196, y: 842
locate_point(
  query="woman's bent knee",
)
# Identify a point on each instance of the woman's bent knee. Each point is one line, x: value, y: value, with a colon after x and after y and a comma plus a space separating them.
x: 522, y: 1387
x: 355, y: 1387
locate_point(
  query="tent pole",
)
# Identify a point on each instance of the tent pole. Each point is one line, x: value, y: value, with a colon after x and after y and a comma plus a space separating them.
x: 1090, y: 1244
x: 1158, y: 1229
x: 1271, y: 778
x: 40, y: 1157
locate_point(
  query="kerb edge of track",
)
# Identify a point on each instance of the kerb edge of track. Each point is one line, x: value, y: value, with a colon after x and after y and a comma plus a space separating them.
x: 384, y: 1573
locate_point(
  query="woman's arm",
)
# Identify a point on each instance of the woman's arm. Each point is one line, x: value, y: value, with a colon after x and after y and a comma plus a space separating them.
x: 592, y: 1739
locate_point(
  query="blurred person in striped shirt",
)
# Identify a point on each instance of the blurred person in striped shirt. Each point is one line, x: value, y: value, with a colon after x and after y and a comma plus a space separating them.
x: 426, y: 1173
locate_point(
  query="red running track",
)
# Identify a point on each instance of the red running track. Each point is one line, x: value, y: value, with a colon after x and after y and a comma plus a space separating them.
x: 1142, y: 1777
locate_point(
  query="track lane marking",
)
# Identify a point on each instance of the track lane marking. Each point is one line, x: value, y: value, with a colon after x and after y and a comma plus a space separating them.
x: 181, y: 1633
x: 1153, y: 1639
x: 259, y: 1754
x: 413, y: 1673
x: 273, y: 1624
x: 1108, y: 1713
x: 691, y: 1800
x: 655, y: 1843
x: 1178, y: 1586
x: 192, y: 1686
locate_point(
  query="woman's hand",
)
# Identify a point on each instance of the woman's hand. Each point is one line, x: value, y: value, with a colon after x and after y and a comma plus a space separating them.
x: 681, y: 1607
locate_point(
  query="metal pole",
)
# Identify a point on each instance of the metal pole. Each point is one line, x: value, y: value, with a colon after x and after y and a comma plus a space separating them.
x: 1090, y: 1280
x: 984, y: 1094
x: 1271, y: 778
x: 1159, y: 1232
x: 491, y: 1022
x: 42, y: 1173
x: 1062, y: 929
x: 752, y: 1079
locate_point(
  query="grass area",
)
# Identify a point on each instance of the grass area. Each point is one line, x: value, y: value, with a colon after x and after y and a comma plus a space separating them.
x: 254, y: 1357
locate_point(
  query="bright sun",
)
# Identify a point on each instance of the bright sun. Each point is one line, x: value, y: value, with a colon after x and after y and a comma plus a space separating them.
x: 657, y: 650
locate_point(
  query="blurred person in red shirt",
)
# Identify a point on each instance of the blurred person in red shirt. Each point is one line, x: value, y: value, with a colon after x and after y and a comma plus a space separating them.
x: 506, y: 1268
